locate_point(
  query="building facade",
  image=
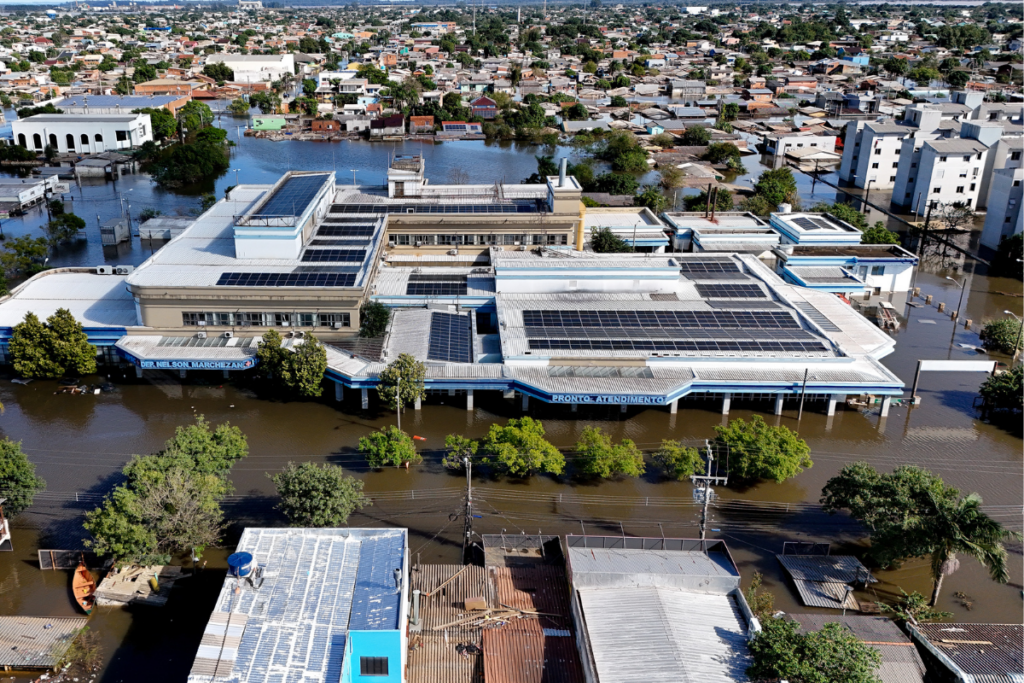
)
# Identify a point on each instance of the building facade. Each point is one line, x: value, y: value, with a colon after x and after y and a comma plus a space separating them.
x: 83, y: 133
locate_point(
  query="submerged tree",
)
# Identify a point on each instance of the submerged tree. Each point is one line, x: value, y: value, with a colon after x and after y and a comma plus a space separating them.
x: 520, y: 449
x: 58, y: 348
x: 832, y: 655
x: 678, y: 461
x: 401, y: 383
x: 598, y: 456
x: 389, y: 446
x: 756, y: 450
x: 18, y: 479
x: 318, y: 496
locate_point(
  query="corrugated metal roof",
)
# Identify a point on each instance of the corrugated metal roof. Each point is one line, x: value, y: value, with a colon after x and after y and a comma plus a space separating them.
x: 988, y: 652
x: 530, y: 657
x: 664, y: 635
x: 840, y: 568
x: 534, y: 589
x: 36, y: 642
x: 826, y: 594
x: 867, y: 628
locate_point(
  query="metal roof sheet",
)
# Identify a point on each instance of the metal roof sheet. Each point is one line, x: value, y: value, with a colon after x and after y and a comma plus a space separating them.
x: 530, y: 657
x: 36, y: 642
x: 992, y: 651
x: 841, y: 568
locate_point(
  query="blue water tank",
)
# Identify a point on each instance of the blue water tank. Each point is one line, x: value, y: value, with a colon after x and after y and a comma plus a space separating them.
x: 239, y: 564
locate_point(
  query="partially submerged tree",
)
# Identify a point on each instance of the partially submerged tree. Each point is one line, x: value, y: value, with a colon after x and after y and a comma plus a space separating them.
x: 58, y: 348
x: 911, y: 512
x: 1005, y: 392
x: 598, y: 456
x: 318, y: 495
x: 678, y: 461
x: 913, y: 608
x: 407, y: 375
x: 389, y: 446
x: 756, y: 450
x: 298, y: 371
x: 1002, y: 334
x: 831, y: 655
x: 879, y: 234
x: 456, y: 449
x: 19, y: 482
x: 520, y: 449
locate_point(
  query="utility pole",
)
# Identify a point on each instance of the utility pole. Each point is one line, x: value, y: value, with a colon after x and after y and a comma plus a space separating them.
x: 398, y: 404
x: 705, y: 481
x: 468, y: 533
x: 924, y: 230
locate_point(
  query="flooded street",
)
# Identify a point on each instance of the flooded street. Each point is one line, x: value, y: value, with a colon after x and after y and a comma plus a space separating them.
x: 80, y: 443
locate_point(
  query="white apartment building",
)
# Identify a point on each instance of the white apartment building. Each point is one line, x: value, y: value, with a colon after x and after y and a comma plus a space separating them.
x: 780, y: 143
x: 82, y: 133
x: 946, y: 171
x: 256, y: 68
x: 1004, y: 217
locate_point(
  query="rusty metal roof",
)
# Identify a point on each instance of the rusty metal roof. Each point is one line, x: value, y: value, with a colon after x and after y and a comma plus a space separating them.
x: 989, y: 652
x: 512, y: 656
x: 36, y: 642
x: 534, y: 589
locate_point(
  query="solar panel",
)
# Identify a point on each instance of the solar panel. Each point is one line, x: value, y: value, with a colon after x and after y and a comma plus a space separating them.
x: 436, y: 277
x: 687, y: 266
x: 346, y: 230
x: 674, y: 345
x: 449, y: 338
x: 813, y: 223
x: 292, y: 198
x: 658, y: 319
x: 434, y: 208
x: 318, y: 242
x: 729, y: 291
x: 286, y: 280
x: 333, y: 255
x: 435, y: 289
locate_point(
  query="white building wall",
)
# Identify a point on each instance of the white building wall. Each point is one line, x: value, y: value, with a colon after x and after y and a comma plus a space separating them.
x: 954, y: 180
x: 248, y: 70
x: 1004, y: 213
x: 84, y: 134
x: 826, y: 143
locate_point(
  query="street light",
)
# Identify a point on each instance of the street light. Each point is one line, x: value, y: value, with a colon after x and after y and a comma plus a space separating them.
x: 1016, y: 346
x: 236, y: 177
x: 353, y: 176
x: 963, y: 290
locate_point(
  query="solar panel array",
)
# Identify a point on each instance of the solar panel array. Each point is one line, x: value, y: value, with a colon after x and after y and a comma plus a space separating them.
x: 434, y: 208
x: 449, y: 338
x: 659, y: 319
x: 813, y: 223
x: 346, y: 230
x: 303, y: 279
x: 430, y: 284
x: 333, y: 255
x: 673, y: 345
x: 729, y: 290
x: 699, y: 266
x: 292, y: 198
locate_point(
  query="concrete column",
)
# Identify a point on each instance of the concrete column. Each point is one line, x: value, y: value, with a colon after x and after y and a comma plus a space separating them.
x: 673, y: 407
x: 509, y: 394
x: 622, y: 408
x: 451, y: 392
x: 225, y: 374
x: 418, y: 404
x: 885, y: 406
x: 469, y: 399
x: 138, y: 371
x: 526, y: 403
x: 779, y: 398
x: 366, y: 399
x: 183, y: 373
x: 726, y: 400
x: 574, y: 407
x: 832, y: 401
x: 339, y: 391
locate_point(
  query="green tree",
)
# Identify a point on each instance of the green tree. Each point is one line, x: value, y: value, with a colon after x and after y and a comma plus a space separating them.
x: 619, y: 101
x: 756, y: 450
x: 318, y: 496
x: 913, y: 608
x: 696, y: 136
x: 188, y: 164
x: 18, y: 479
x: 63, y: 227
x: 239, y: 107
x: 831, y: 655
x: 725, y: 153
x: 677, y: 461
x: 879, y: 234
x: 616, y: 183
x: 53, y: 350
x: 958, y: 79
x: 456, y: 449
x: 777, y: 186
x: 195, y: 116
x: 896, y: 67
x: 623, y: 152
x: 298, y: 371
x: 520, y: 449
x: 29, y: 347
x: 762, y: 603
x: 653, y: 198
x: 373, y: 318
x: 597, y: 456
x: 604, y: 241
x: 730, y: 111
x: 407, y: 375
x: 1002, y: 335
x: 389, y: 446
x: 911, y: 512
x: 1005, y: 391
x: 844, y: 212
x: 219, y: 71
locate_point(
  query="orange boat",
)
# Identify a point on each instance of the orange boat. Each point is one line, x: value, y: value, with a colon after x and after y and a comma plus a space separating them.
x: 83, y: 586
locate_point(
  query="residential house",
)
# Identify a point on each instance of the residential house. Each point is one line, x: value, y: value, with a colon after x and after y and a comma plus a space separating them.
x: 391, y: 125
x: 484, y: 107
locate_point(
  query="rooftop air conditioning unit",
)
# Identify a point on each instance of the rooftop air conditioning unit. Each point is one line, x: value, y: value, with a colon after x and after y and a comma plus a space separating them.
x: 200, y: 335
x: 201, y: 323
x: 104, y: 270
x: 229, y: 335
x: 124, y: 270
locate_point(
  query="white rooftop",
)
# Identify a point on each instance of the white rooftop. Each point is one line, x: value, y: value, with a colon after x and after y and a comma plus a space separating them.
x: 94, y: 300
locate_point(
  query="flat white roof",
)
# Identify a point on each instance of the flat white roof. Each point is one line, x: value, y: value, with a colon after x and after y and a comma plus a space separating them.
x: 94, y: 300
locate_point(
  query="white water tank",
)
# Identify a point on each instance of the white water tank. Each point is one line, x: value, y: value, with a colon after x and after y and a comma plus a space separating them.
x: 785, y: 208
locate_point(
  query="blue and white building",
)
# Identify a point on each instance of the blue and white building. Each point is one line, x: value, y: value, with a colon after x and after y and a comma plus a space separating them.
x: 313, y: 605
x: 817, y: 229
x: 855, y: 269
x: 726, y: 232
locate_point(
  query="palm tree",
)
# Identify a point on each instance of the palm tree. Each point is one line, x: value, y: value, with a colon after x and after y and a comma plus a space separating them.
x: 961, y: 527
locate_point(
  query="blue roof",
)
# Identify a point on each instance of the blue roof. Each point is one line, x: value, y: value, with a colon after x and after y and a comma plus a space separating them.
x: 375, y: 604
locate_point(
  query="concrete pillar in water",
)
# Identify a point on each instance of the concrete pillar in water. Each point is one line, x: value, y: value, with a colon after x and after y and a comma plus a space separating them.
x: 574, y: 407
x: 622, y: 407
x: 138, y: 371
x: 832, y: 401
x: 418, y: 404
x: 182, y: 373
x: 526, y: 403
x: 366, y: 399
x: 726, y: 400
x: 885, y: 406
x: 673, y: 407
x: 225, y: 374
x: 779, y: 398
x: 469, y: 399
x: 339, y: 391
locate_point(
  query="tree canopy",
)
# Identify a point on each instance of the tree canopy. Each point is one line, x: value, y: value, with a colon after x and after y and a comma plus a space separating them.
x: 18, y: 479
x: 318, y: 495
x: 597, y: 456
x: 520, y: 449
x: 373, y: 318
x: 407, y: 375
x: 1005, y: 392
x: 831, y: 655
x: 756, y: 450
x: 389, y: 446
x: 298, y: 371
x: 678, y: 461
x: 604, y: 241
x: 911, y: 512
x: 1001, y: 334
x: 55, y: 349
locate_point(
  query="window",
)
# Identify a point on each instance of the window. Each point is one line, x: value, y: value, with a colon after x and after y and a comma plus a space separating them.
x: 892, y: 179
x: 401, y: 240
x: 913, y: 164
x: 1006, y: 220
x: 122, y: 135
x: 874, y: 165
x: 910, y: 180
x: 942, y: 158
x: 334, y: 320
x: 373, y: 666
x: 878, y: 270
x: 98, y: 138
x: 973, y: 185
x: 511, y: 239
x: 1015, y: 156
x: 960, y: 189
x: 895, y: 164
x: 449, y: 240
x: 975, y: 174
x: 282, y: 319
x: 936, y: 190
x: 85, y: 139
x: 423, y: 239
x: 878, y: 151
x: 907, y: 195
x: 1016, y: 183
x: 967, y: 157
x: 993, y: 116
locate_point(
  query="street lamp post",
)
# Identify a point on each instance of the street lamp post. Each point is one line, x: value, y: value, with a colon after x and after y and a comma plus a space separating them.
x: 353, y: 176
x: 236, y: 177
x: 963, y: 290
x: 1016, y: 345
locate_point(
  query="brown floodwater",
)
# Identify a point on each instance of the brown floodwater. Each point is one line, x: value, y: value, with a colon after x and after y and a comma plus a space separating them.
x: 79, y: 445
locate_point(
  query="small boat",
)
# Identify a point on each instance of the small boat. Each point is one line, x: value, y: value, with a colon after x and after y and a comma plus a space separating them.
x: 887, y: 318
x: 83, y: 586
